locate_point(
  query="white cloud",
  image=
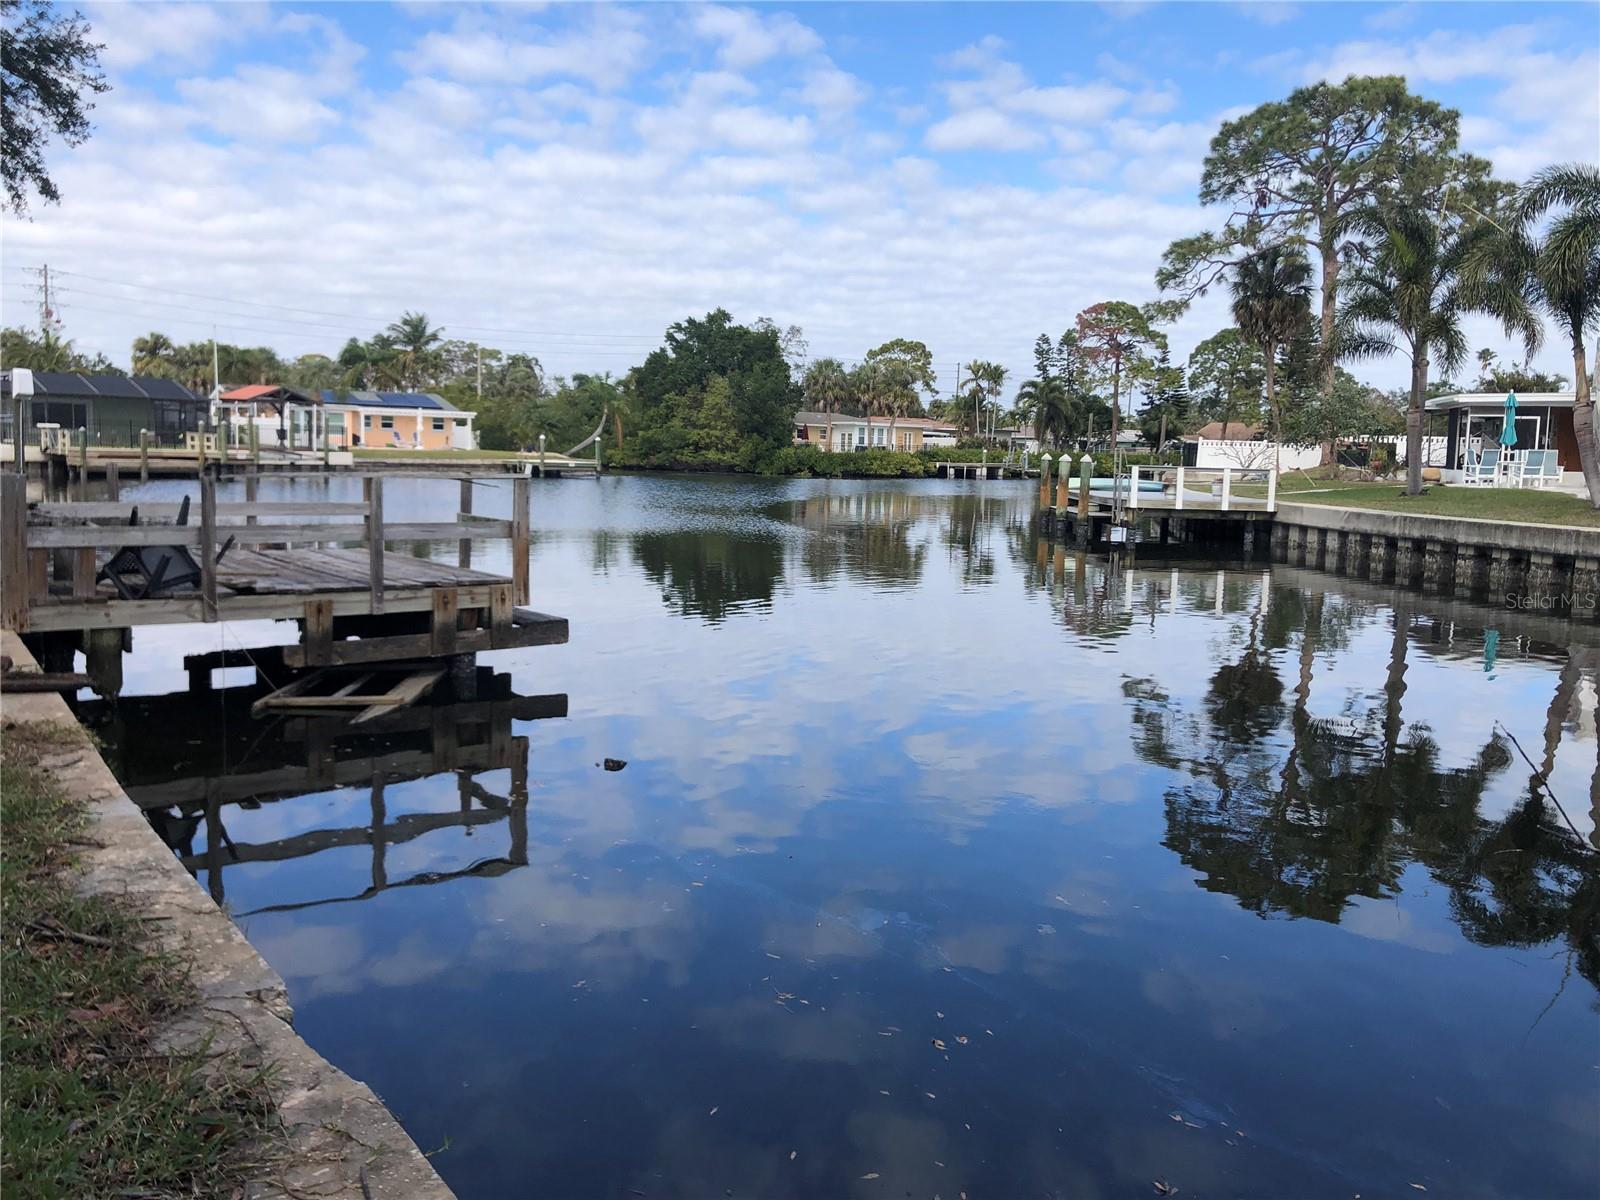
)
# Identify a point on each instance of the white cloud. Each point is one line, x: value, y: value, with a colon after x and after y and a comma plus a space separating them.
x: 172, y: 36
x: 831, y: 91
x: 746, y: 38
x: 1268, y: 12
x: 981, y: 129
x: 606, y: 50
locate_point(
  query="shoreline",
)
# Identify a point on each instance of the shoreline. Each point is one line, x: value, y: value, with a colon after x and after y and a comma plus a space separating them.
x: 336, y: 1137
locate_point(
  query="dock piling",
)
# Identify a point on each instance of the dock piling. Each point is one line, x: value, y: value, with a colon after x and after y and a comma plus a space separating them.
x: 208, y: 543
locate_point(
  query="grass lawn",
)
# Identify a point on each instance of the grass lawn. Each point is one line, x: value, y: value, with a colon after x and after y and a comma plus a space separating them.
x: 1487, y: 504
x: 88, y: 1107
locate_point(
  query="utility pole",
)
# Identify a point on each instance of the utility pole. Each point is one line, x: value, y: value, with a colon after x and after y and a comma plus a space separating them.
x: 480, y: 375
x: 49, y: 322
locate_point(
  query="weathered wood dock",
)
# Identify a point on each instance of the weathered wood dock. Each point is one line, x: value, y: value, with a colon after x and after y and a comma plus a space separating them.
x: 325, y: 565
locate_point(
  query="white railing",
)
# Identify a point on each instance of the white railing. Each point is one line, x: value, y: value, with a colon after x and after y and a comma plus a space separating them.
x: 1180, y: 495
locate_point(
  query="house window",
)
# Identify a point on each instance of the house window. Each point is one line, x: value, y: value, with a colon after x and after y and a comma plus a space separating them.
x: 366, y: 422
x: 438, y: 424
x: 386, y: 422
x: 879, y: 435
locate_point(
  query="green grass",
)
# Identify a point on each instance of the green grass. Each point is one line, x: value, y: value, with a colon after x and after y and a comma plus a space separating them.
x: 1486, y: 504
x: 88, y: 1106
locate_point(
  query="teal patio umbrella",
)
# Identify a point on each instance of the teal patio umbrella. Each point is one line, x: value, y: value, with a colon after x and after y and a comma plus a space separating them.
x: 1508, y: 431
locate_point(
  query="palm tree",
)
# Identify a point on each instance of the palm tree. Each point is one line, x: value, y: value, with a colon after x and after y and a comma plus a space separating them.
x: 827, y: 388
x: 413, y: 341
x: 868, y: 384
x: 150, y: 351
x: 1412, y: 290
x: 1048, y: 403
x: 985, y: 382
x: 1271, y: 304
x: 1562, y: 273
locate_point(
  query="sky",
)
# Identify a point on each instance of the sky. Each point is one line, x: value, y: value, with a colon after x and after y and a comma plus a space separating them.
x: 567, y: 181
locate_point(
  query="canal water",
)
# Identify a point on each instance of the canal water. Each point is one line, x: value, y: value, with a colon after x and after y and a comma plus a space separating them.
x: 941, y: 862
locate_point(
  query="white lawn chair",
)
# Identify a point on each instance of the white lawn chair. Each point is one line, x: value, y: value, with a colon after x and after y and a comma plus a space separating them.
x: 1486, y: 470
x: 1540, y: 468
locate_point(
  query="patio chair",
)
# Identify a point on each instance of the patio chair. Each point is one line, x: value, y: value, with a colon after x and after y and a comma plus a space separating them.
x: 1486, y: 470
x: 1540, y: 468
x: 149, y: 572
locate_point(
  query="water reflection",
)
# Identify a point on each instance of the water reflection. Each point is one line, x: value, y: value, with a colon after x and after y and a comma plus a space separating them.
x: 191, y: 798
x: 948, y: 860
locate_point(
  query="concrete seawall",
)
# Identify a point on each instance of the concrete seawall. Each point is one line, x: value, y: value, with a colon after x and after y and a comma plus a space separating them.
x: 336, y: 1139
x: 1546, y: 567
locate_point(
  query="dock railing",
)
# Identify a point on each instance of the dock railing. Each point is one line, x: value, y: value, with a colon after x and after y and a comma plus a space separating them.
x: 1224, y: 499
x: 50, y: 553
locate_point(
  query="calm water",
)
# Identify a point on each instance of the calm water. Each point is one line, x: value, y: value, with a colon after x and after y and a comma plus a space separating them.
x: 941, y: 864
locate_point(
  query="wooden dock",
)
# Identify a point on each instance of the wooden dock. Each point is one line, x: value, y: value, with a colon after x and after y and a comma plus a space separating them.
x: 1187, y: 502
x: 999, y: 469
x: 325, y: 565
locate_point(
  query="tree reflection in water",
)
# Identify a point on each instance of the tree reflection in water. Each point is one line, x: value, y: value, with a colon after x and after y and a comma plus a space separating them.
x: 1297, y: 815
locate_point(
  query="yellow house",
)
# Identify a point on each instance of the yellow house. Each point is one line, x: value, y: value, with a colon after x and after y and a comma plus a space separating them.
x: 403, y: 420
x: 852, y: 433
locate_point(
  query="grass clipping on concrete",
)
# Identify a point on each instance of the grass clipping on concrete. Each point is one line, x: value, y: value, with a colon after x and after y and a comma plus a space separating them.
x: 90, y: 1105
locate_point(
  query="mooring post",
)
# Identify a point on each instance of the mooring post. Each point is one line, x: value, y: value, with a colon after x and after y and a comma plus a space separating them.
x: 102, y: 654
x: 1085, y: 465
x: 1044, y: 480
x: 597, y: 456
x: 1064, y: 485
x: 464, y: 546
x: 144, y: 456
x: 83, y: 463
x: 208, y: 544
x: 373, y: 486
x: 541, y: 456
x: 113, y: 481
x: 252, y: 490
x: 14, y: 551
x: 520, y: 529
x: 255, y: 442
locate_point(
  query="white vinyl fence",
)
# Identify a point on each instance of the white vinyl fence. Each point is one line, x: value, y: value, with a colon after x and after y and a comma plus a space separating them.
x: 1258, y: 456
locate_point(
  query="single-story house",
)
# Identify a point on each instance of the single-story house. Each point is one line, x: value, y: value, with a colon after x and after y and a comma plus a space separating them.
x: 1020, y: 438
x: 112, y: 408
x: 401, y: 420
x: 851, y: 433
x: 1475, y: 420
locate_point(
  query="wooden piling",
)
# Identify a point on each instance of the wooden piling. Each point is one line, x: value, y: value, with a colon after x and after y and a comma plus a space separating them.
x: 208, y: 543
x: 520, y: 525
x: 373, y: 485
x: 1085, y: 466
x: 83, y: 463
x: 14, y: 573
x: 113, y: 481
x: 144, y: 456
x: 464, y: 547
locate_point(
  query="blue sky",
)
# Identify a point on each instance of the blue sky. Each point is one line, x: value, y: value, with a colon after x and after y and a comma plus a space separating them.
x: 567, y: 180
